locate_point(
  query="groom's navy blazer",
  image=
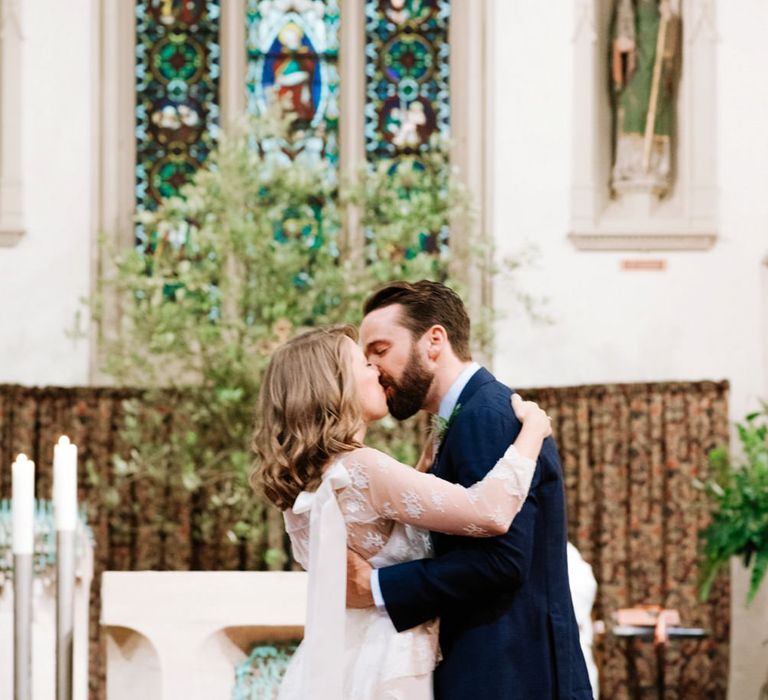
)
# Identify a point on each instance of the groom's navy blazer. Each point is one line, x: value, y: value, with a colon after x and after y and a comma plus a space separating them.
x: 507, y: 627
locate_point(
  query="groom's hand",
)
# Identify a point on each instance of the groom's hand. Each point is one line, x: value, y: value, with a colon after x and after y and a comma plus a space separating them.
x: 358, y: 581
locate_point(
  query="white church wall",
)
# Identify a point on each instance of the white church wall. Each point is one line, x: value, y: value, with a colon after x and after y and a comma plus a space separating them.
x: 45, y: 274
x: 703, y: 317
x: 699, y: 318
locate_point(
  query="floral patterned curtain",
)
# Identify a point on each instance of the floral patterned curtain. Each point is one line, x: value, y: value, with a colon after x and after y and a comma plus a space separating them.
x: 630, y: 453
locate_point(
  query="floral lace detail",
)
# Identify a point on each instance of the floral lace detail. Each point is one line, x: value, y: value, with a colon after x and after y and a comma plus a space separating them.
x: 413, y: 505
x: 382, y: 491
x: 421, y: 539
x: 388, y: 511
x: 354, y: 500
x: 353, y: 505
x: 373, y: 541
x: 475, y: 531
x: 359, y: 476
x: 438, y: 501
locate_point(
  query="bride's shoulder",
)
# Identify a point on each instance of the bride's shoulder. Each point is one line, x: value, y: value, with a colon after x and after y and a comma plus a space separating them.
x: 367, y: 457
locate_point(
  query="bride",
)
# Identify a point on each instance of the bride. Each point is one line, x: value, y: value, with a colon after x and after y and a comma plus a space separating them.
x: 318, y: 396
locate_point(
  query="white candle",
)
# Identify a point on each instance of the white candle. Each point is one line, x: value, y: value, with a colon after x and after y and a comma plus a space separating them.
x: 65, y: 484
x: 23, y: 505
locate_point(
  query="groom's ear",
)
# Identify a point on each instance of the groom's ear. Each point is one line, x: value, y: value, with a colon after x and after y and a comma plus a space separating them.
x: 437, y: 341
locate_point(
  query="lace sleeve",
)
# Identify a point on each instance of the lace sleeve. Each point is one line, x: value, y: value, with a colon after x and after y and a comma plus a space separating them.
x: 486, y: 509
x: 297, y: 527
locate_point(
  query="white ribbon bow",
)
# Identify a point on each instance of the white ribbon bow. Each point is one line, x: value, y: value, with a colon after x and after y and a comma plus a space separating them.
x: 323, y: 668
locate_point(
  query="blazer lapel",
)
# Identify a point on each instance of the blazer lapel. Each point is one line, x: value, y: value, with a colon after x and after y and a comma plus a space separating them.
x: 478, y: 379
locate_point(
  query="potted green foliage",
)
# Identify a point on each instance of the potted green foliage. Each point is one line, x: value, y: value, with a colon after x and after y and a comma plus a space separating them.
x: 738, y: 490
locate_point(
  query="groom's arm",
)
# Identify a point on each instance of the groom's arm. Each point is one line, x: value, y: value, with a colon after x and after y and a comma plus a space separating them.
x: 417, y: 591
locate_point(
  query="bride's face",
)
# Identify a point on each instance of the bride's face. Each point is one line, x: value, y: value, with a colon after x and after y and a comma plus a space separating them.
x: 373, y: 400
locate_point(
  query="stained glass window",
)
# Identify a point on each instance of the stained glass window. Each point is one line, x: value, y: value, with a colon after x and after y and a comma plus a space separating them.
x: 177, y: 93
x: 293, y: 49
x: 407, y: 73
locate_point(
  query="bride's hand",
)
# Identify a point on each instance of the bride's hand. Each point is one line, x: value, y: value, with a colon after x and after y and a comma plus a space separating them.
x: 359, y: 593
x: 531, y: 416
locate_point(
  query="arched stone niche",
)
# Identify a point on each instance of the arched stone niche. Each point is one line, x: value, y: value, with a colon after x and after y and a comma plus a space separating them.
x: 133, y: 665
x: 686, y: 219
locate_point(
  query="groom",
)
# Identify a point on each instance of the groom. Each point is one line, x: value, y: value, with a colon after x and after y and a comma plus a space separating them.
x: 507, y: 627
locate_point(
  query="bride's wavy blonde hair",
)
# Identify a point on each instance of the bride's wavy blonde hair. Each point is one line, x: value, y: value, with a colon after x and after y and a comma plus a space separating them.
x: 308, y: 412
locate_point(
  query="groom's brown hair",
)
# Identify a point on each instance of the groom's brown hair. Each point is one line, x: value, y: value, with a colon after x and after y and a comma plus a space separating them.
x: 426, y: 304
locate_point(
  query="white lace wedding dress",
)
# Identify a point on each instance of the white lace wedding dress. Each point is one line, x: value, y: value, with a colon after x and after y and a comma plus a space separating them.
x: 384, y: 511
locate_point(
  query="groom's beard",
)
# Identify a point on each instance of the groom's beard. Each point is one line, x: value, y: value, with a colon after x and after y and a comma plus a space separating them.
x: 407, y: 395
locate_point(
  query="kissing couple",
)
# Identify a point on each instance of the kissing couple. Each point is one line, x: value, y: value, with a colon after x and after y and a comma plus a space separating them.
x: 447, y: 581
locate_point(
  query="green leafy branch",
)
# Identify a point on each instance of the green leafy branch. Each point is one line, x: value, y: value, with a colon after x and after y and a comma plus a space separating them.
x: 738, y: 492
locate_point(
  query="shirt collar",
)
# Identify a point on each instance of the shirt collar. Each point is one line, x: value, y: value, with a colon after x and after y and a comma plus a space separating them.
x: 448, y: 404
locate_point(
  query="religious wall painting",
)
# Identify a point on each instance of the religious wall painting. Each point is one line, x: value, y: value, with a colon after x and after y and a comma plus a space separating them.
x: 177, y: 102
x: 293, y: 48
x: 644, y: 66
